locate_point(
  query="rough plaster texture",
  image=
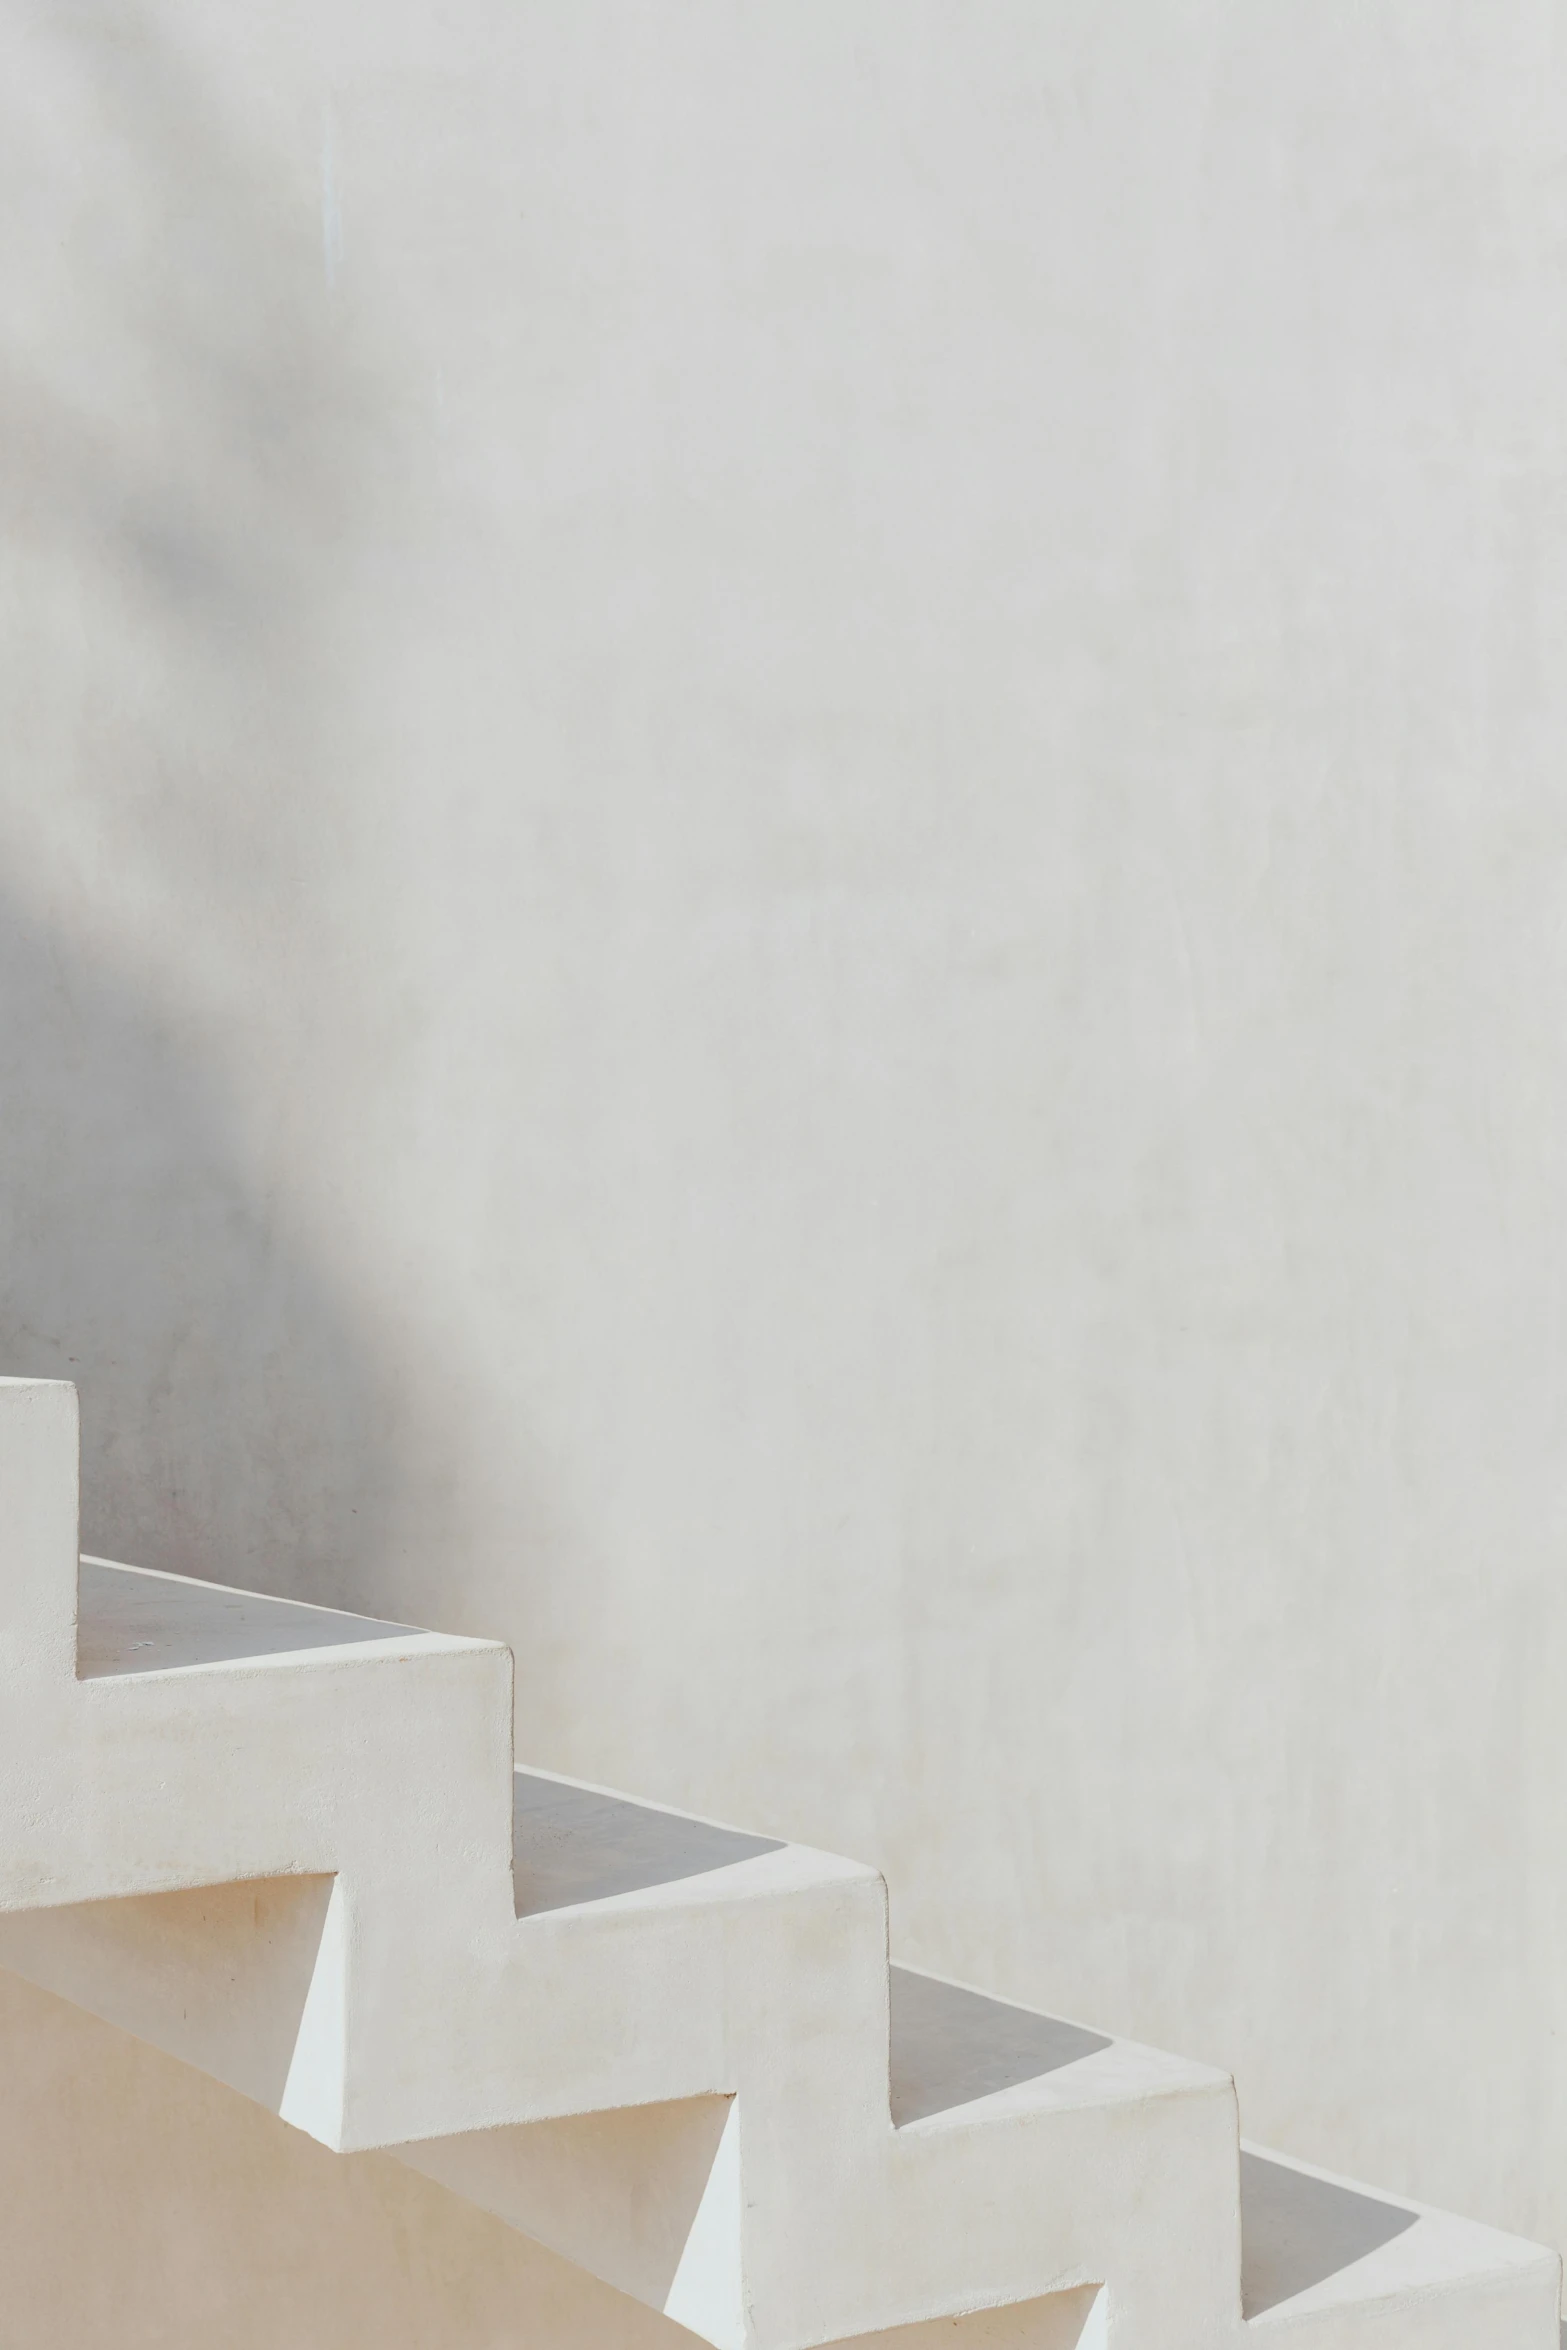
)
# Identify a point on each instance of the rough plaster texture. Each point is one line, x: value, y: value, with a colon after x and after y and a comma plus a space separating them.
x: 780, y: 855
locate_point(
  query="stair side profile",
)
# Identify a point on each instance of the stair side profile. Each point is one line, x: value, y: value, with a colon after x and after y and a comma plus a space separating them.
x: 292, y: 1847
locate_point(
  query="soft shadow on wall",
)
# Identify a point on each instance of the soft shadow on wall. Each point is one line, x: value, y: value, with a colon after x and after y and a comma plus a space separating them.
x: 186, y: 445
x: 232, y: 1421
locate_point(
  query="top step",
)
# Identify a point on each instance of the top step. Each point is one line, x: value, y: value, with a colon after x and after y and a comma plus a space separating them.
x: 139, y: 1620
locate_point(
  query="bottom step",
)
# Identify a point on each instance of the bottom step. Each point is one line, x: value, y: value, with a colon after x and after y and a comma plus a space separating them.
x: 1320, y: 2251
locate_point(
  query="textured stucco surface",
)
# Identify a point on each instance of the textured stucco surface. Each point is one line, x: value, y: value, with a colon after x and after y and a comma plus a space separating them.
x: 781, y: 860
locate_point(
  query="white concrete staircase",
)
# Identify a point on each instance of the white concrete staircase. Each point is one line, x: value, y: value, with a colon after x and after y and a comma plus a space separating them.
x: 289, y: 1846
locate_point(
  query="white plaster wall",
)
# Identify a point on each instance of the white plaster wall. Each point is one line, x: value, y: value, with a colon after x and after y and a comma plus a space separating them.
x: 781, y: 904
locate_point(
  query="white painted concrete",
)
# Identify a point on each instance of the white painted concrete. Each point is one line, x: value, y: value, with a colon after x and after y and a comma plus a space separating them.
x: 253, y: 2235
x: 666, y: 2051
x: 781, y: 834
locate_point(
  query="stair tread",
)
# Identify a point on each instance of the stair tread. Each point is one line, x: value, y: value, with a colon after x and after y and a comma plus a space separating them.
x: 951, y: 2046
x: 140, y: 1620
x: 574, y: 1844
x: 1312, y: 2241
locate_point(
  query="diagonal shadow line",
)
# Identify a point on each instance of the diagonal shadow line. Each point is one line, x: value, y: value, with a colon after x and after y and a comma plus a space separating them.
x: 1297, y: 2230
x: 950, y: 2046
x: 571, y: 1844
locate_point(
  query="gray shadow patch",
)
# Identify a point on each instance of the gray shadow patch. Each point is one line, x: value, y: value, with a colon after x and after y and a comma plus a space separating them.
x: 1297, y: 2230
x: 950, y: 2046
x: 129, y: 1620
x: 570, y: 1845
x: 185, y: 556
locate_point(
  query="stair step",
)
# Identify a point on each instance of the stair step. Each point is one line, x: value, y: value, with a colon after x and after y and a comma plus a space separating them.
x: 139, y: 1620
x: 951, y: 2046
x: 572, y: 1844
x: 1313, y: 2244
x: 1297, y: 2230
